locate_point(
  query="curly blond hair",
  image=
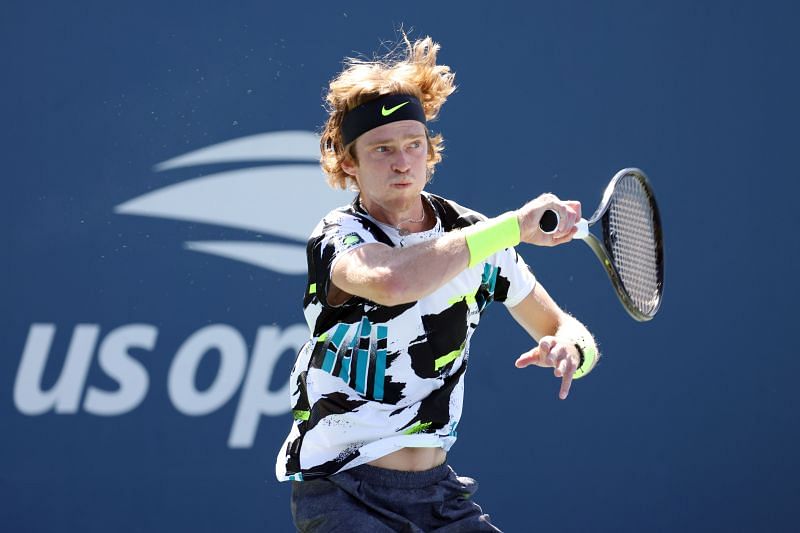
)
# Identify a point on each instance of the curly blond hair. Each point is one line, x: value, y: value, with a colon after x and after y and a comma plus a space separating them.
x: 415, y: 72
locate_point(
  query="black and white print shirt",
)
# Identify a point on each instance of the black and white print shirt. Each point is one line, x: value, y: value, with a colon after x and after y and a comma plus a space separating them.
x: 373, y: 379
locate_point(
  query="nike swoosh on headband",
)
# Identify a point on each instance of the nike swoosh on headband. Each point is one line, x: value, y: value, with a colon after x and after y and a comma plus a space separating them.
x: 386, y: 112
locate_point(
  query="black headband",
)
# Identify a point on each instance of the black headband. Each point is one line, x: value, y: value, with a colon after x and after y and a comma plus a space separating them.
x: 383, y: 110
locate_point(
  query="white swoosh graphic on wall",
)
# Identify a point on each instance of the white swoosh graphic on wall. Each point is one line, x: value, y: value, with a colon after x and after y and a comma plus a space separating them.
x: 280, y: 200
x: 278, y: 257
x: 284, y: 200
x: 275, y: 146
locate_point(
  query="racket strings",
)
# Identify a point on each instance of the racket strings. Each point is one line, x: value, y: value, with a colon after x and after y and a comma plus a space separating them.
x: 632, y: 243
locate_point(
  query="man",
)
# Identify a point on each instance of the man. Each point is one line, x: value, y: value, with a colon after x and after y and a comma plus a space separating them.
x: 397, y: 283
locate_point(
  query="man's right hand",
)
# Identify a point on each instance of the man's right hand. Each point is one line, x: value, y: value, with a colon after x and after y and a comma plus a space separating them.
x: 529, y: 215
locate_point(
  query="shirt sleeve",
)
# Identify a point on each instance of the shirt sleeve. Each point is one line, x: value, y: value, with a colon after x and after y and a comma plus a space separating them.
x: 514, y: 278
x: 338, y: 234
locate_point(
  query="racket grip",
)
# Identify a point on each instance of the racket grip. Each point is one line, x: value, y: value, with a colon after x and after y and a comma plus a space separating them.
x: 549, y: 222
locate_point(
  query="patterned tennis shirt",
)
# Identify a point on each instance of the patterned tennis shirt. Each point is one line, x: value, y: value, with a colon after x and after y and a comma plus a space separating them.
x: 373, y: 379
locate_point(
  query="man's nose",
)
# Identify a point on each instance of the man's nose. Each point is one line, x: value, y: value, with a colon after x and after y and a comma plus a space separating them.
x: 400, y: 162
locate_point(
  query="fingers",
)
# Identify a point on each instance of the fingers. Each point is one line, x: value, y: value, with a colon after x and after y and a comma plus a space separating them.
x: 565, y: 368
x: 566, y: 238
x: 569, y: 213
x: 560, y: 358
x: 566, y: 383
x: 551, y: 353
x: 538, y: 356
x: 576, y: 206
x: 528, y: 358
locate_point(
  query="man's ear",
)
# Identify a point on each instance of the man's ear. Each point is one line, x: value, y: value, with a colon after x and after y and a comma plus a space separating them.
x: 348, y: 165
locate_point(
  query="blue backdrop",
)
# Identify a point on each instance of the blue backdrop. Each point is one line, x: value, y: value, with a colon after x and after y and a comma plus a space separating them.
x: 151, y: 300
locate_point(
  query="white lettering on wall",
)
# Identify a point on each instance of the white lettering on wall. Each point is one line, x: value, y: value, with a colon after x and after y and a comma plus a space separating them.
x: 115, y: 360
x: 119, y: 365
x: 256, y: 399
x: 181, y: 381
x: 65, y: 396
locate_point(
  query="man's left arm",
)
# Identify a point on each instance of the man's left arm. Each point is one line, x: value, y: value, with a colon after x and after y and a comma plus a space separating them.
x: 563, y: 342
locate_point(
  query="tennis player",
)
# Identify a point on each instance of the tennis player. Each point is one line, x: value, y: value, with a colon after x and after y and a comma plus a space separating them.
x: 397, y: 283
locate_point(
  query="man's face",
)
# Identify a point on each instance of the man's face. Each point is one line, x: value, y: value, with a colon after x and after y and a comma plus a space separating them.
x: 391, y: 166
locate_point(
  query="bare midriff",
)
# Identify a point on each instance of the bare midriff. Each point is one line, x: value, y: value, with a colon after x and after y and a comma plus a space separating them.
x: 411, y: 459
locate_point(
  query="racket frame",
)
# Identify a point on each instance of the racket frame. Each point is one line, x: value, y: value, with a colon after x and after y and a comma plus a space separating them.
x: 601, y: 251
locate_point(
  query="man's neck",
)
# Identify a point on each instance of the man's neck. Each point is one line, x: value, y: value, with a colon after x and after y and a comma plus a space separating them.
x: 405, y: 214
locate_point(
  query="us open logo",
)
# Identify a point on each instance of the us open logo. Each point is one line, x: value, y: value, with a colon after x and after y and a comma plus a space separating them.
x: 284, y: 199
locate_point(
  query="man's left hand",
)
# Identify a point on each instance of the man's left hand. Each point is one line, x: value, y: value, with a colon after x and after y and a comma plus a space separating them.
x: 555, y: 353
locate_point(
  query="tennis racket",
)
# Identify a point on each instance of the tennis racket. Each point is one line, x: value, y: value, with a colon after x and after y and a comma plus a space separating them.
x: 632, y: 249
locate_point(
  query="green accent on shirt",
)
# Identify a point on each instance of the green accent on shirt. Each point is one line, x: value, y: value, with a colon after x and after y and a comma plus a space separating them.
x: 447, y: 358
x: 417, y: 428
x: 312, y: 289
x: 470, y: 298
x: 300, y: 415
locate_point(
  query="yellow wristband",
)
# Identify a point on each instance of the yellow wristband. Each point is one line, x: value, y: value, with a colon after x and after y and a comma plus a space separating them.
x: 486, y: 238
x: 588, y: 356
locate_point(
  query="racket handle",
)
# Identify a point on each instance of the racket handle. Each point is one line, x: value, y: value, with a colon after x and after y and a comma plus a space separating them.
x: 549, y: 222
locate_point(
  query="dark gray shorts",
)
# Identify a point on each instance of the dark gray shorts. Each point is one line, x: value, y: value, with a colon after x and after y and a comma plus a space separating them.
x: 371, y: 499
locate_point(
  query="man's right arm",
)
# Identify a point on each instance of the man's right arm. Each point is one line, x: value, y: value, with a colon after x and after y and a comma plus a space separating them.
x: 394, y: 276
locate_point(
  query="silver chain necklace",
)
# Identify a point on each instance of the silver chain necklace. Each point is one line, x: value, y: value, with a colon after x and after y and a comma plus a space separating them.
x: 402, y: 231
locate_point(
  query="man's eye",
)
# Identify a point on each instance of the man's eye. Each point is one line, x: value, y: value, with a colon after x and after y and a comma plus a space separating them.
x: 416, y: 144
x: 381, y: 148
